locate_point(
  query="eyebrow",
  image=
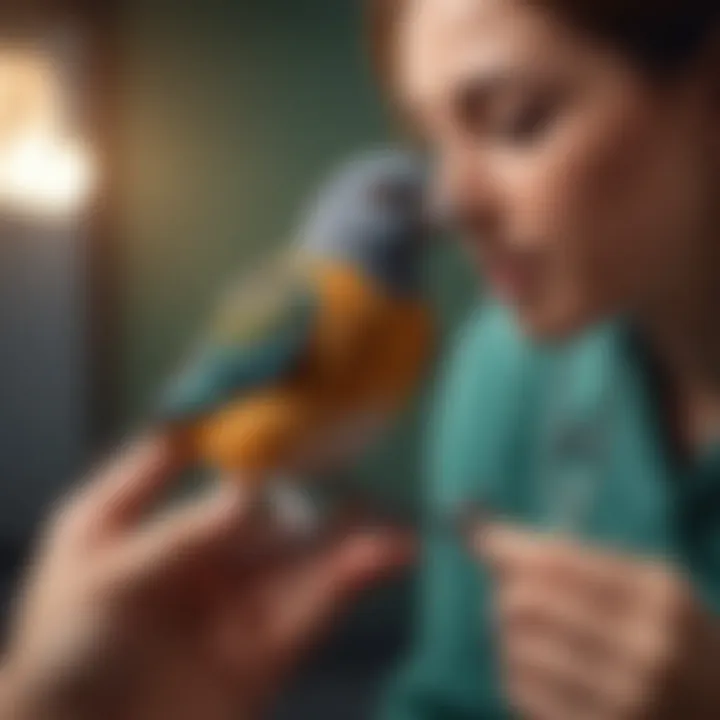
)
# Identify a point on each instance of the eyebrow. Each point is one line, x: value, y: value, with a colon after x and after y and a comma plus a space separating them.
x: 482, y: 84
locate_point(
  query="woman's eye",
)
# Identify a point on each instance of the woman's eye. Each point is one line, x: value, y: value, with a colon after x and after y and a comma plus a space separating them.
x: 523, y: 124
x: 509, y: 119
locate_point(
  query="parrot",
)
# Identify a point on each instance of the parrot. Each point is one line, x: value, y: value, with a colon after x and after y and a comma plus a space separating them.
x: 312, y: 353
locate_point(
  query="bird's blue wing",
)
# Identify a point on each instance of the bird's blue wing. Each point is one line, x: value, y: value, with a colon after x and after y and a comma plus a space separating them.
x: 258, y: 337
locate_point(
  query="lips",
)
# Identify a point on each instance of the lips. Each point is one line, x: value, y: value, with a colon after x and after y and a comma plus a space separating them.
x: 510, y: 281
x: 513, y: 276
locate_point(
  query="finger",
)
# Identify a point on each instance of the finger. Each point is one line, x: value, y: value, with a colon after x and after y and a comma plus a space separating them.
x: 566, y: 638
x: 323, y: 586
x: 271, y: 546
x: 534, y: 699
x: 281, y: 546
x: 370, y: 556
x: 126, y: 487
x: 197, y: 532
x: 591, y: 687
x: 527, y: 604
x: 575, y: 675
x: 509, y: 550
x: 284, y: 608
x: 266, y: 547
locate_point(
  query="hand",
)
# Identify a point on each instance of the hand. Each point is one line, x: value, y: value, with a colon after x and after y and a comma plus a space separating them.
x: 197, y: 614
x: 586, y: 634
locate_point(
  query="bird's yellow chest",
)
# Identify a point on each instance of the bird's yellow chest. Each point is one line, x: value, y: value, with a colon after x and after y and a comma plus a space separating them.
x: 369, y: 347
x: 365, y: 358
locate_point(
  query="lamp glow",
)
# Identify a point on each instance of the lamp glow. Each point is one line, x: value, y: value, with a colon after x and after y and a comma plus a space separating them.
x: 43, y: 175
x: 44, y: 170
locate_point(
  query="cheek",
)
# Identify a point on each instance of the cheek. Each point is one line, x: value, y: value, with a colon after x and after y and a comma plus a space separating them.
x: 599, y: 205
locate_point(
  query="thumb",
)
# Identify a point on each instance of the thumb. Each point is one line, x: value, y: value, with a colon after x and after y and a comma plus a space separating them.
x: 324, y: 586
x: 367, y: 557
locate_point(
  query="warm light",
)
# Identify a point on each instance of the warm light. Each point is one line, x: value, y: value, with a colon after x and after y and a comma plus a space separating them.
x: 43, y: 175
x: 43, y: 170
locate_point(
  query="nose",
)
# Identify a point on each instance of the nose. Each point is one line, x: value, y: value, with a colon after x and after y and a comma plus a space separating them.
x: 462, y: 193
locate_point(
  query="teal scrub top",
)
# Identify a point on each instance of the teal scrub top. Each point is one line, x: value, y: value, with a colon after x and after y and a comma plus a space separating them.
x: 565, y: 438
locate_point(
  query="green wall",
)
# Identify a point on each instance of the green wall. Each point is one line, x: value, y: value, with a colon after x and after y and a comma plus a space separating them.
x: 232, y: 110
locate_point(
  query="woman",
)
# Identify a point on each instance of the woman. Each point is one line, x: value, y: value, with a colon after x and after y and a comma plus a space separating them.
x: 577, y: 148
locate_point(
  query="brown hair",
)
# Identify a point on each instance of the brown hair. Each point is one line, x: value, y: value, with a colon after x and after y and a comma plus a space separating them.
x: 660, y: 36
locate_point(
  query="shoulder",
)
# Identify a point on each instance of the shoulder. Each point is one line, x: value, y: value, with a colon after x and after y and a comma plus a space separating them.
x: 483, y: 381
x: 489, y: 358
x: 489, y: 343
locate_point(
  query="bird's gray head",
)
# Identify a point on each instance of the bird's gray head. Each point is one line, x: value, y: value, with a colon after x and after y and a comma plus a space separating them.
x: 373, y: 213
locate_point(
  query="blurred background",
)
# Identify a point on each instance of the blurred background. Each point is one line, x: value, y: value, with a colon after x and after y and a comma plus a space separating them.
x: 149, y: 149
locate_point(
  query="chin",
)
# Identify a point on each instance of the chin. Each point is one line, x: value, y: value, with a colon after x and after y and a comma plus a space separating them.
x: 553, y: 322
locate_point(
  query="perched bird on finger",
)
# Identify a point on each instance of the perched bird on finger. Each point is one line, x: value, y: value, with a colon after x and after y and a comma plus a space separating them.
x: 312, y: 355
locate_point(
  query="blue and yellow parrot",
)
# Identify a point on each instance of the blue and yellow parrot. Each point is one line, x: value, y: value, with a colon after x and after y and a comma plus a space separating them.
x: 312, y: 354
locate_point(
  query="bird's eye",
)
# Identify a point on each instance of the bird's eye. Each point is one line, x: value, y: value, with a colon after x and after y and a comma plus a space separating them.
x: 394, y: 197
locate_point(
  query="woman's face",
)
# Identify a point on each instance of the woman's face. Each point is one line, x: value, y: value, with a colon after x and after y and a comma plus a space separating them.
x: 577, y: 184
